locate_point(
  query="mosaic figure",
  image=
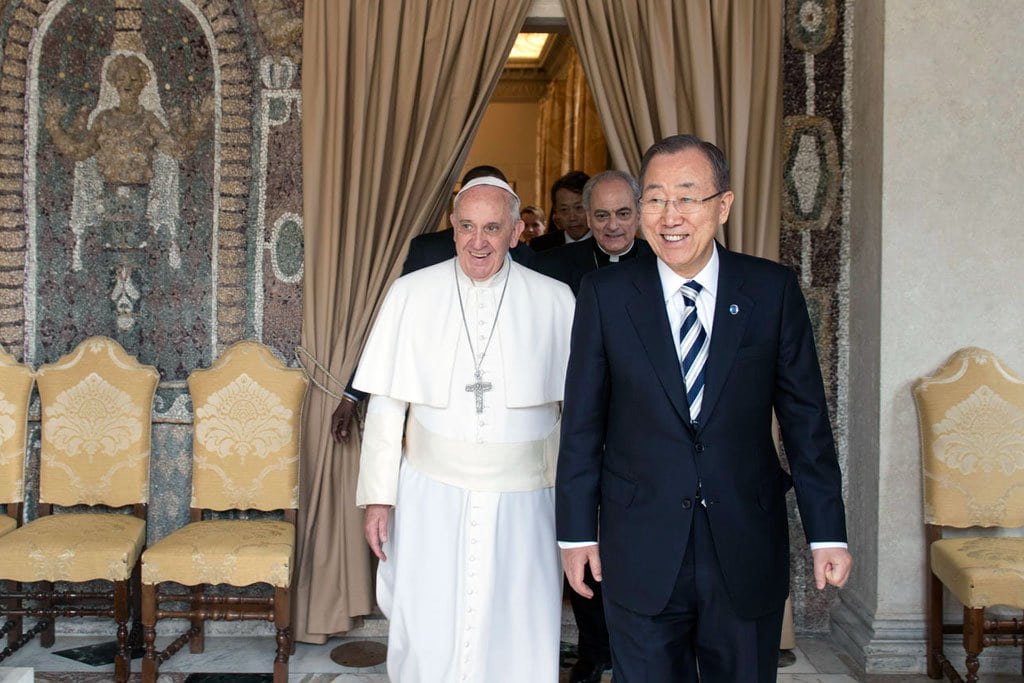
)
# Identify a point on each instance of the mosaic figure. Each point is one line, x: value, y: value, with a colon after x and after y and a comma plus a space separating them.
x: 127, y: 152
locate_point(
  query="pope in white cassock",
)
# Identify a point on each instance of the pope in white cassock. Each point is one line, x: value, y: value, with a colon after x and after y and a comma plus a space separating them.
x: 467, y: 359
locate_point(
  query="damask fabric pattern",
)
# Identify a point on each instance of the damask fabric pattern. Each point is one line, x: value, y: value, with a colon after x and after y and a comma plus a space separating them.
x: 981, y: 572
x: 73, y: 547
x: 96, y: 404
x: 248, y: 416
x: 15, y: 390
x: 971, y: 417
x: 236, y: 552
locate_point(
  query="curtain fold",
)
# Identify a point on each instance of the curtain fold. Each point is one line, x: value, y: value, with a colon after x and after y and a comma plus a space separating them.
x: 708, y: 67
x: 392, y: 96
x: 569, y: 134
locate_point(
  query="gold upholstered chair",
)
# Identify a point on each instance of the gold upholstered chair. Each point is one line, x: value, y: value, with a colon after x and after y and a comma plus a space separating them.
x: 96, y: 403
x: 245, y: 456
x: 15, y: 392
x: 971, y: 417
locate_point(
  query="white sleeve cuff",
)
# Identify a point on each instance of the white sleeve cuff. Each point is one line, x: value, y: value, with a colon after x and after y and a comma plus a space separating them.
x: 568, y: 545
x: 817, y: 545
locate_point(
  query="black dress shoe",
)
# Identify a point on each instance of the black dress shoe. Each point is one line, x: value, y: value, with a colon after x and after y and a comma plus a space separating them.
x: 588, y: 671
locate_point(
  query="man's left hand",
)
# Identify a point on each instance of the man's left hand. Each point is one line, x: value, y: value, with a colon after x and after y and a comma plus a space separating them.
x: 341, y: 419
x: 831, y: 566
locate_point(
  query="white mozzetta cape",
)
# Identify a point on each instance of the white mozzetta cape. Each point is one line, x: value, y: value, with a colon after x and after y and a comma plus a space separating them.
x: 410, y: 354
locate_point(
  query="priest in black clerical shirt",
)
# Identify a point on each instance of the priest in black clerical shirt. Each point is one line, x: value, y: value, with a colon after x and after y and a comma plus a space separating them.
x: 610, y: 201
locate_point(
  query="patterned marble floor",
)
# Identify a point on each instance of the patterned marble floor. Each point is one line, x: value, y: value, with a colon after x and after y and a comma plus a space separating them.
x: 816, y: 662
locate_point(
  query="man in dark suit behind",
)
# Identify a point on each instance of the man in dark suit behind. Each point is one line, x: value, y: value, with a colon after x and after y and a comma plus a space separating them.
x: 677, y: 476
x: 611, y: 204
x: 568, y: 222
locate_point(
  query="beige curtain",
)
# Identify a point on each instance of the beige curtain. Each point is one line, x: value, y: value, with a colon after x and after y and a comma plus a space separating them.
x: 392, y: 95
x: 708, y: 67
x: 569, y: 135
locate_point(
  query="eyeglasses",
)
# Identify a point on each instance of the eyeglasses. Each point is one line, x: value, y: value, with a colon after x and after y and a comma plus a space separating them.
x: 682, y: 205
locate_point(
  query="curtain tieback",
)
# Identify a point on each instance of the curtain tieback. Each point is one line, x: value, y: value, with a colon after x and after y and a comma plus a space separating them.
x: 301, y: 351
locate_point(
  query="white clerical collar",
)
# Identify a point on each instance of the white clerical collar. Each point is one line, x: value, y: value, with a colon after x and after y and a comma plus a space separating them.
x: 466, y: 281
x: 671, y: 281
x: 614, y: 258
x: 570, y: 240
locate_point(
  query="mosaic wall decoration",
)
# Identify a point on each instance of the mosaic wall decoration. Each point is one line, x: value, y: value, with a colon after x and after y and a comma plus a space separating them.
x: 150, y: 190
x: 815, y: 225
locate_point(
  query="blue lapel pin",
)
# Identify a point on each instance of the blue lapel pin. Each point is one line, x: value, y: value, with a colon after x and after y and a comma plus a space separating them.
x: 733, y: 309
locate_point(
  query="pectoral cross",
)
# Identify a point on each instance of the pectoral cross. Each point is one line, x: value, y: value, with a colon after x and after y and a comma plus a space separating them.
x: 479, y: 387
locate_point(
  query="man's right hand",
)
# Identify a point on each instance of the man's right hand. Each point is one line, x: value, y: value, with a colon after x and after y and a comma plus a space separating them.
x: 341, y: 419
x: 375, y: 528
x: 575, y: 561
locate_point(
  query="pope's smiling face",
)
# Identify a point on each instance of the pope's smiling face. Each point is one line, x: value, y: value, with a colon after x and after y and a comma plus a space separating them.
x: 485, y: 229
x: 684, y: 241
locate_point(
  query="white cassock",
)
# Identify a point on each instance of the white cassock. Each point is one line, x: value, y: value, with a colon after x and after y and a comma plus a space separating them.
x: 472, y: 583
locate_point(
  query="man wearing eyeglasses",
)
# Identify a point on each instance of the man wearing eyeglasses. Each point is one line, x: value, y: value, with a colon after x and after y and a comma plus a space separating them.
x: 677, y: 363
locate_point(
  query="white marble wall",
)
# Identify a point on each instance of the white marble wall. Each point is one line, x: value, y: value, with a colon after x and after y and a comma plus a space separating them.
x: 937, y: 237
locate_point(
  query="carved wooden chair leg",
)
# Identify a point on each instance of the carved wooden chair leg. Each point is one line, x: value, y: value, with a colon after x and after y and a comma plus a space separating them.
x: 197, y: 642
x: 135, y: 593
x: 46, y: 638
x: 974, y: 634
x: 149, y: 607
x: 934, y: 617
x: 15, y: 620
x: 282, y: 620
x: 122, y: 660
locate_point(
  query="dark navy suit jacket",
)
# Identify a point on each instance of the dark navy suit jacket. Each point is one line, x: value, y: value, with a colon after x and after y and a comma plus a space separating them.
x: 552, y: 239
x: 631, y: 457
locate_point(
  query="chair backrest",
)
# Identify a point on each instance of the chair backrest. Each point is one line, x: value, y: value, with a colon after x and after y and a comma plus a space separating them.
x: 248, y: 417
x: 97, y: 404
x: 971, y: 418
x: 15, y: 392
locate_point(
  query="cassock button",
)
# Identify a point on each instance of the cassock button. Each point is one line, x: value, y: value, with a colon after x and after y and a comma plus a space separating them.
x: 699, y: 447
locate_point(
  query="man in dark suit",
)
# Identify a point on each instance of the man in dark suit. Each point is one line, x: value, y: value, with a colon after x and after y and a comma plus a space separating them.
x: 667, y: 458
x: 424, y: 250
x: 568, y: 219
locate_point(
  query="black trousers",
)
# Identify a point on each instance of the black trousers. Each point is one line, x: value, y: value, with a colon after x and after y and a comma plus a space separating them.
x: 589, y: 615
x: 698, y: 629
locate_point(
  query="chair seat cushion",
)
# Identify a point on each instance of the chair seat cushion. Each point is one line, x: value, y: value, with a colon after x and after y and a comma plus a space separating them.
x: 7, y: 523
x: 981, y: 572
x: 235, y: 552
x: 73, y: 547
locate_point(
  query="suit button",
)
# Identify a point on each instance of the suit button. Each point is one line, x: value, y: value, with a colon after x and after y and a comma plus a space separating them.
x: 687, y: 503
x: 699, y: 447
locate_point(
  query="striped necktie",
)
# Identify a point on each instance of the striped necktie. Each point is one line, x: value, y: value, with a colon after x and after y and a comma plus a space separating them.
x: 693, y: 342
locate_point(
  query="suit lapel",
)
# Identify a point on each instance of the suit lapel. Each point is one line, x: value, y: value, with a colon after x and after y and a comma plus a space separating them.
x: 647, y: 312
x: 727, y: 331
